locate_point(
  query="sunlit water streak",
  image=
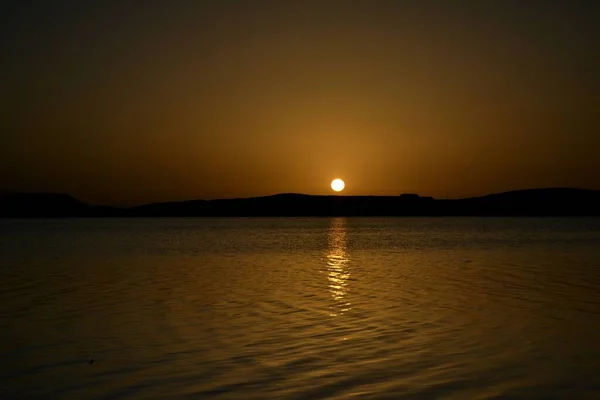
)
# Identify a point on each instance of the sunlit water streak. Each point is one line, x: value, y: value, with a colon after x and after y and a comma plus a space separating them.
x: 338, y: 269
x: 300, y: 308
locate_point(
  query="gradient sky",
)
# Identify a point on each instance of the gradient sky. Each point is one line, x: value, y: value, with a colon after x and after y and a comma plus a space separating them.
x: 127, y: 102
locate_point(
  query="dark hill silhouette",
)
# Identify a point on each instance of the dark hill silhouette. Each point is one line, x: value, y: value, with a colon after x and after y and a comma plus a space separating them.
x: 546, y: 201
x: 41, y: 205
x: 530, y: 202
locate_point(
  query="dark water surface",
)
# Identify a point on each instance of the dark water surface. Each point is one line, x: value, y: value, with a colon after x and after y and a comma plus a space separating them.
x: 300, y: 308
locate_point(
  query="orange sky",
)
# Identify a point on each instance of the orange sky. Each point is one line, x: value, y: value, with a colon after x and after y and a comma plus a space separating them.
x: 181, y: 100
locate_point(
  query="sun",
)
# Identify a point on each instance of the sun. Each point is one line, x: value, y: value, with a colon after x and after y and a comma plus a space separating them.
x: 338, y: 185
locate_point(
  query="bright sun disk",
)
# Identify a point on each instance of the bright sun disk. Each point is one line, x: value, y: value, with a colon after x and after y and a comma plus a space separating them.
x: 338, y: 185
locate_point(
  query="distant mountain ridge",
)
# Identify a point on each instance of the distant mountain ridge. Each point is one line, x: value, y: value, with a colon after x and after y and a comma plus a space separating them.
x: 41, y: 205
x: 528, y: 202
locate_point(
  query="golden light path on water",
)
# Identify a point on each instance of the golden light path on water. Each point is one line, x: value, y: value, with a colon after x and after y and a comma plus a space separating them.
x: 338, y: 271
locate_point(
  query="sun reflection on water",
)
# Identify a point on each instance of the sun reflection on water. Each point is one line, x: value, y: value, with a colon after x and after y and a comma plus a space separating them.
x: 338, y: 272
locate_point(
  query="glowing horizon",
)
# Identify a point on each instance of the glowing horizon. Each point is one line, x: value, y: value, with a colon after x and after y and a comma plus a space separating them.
x: 121, y: 106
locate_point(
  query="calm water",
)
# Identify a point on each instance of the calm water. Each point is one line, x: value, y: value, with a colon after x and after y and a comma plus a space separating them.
x: 300, y: 308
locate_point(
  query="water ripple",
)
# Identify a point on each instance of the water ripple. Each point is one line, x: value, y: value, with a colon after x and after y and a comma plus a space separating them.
x: 301, y: 309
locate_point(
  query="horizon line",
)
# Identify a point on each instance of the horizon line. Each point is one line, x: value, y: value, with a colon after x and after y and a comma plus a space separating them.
x: 411, y: 194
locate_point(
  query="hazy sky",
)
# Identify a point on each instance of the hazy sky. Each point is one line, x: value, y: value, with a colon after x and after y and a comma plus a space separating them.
x: 126, y: 102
